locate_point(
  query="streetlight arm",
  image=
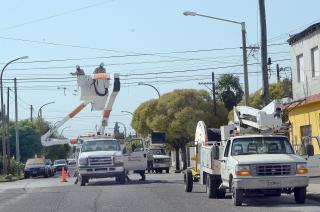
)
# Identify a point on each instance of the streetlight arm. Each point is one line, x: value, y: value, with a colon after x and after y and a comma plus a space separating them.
x: 124, y: 111
x: 186, y: 13
x: 20, y: 58
x: 150, y: 86
x: 43, y: 106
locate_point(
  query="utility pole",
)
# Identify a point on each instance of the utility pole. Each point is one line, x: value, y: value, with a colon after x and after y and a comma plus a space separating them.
x: 245, y: 64
x: 4, y: 146
x: 264, y: 53
x: 7, y: 126
x: 278, y: 73
x: 17, y: 125
x: 214, y: 95
x: 31, y: 113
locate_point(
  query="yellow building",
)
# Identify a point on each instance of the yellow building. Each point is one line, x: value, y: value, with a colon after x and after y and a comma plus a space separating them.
x: 304, y: 117
x: 304, y: 112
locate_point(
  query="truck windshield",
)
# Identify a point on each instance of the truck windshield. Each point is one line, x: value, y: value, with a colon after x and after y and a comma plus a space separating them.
x: 157, y: 151
x: 100, y: 145
x: 261, y: 145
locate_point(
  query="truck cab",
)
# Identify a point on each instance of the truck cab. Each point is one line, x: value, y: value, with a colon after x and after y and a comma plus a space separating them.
x: 161, y: 161
x: 263, y: 163
x: 100, y: 158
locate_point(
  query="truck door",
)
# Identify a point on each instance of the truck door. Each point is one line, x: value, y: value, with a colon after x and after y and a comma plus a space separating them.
x: 224, y: 163
x: 135, y: 155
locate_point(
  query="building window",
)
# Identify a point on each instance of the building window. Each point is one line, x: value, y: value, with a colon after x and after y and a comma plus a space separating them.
x: 315, y: 62
x: 300, y: 71
x: 305, y: 131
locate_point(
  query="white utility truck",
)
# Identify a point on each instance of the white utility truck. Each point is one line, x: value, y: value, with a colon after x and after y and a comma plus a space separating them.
x: 250, y: 157
x: 161, y: 161
x: 105, y: 157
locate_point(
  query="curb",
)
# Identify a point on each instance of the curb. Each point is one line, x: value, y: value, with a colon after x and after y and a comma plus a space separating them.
x: 314, y: 197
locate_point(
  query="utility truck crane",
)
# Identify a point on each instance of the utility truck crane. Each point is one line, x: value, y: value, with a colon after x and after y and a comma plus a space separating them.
x: 248, y: 155
x: 95, y: 91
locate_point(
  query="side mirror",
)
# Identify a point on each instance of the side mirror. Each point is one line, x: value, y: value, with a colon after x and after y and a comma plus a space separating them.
x: 215, y: 152
x: 310, y: 150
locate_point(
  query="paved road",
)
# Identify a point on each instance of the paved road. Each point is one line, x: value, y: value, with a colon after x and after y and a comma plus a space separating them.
x: 160, y: 193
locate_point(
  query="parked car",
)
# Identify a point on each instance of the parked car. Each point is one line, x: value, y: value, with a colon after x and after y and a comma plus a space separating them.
x: 36, y: 167
x: 72, y: 162
x: 58, y: 164
x: 50, y: 167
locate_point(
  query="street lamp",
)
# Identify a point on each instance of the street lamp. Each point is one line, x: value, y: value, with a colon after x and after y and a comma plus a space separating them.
x: 244, y: 49
x: 141, y: 83
x: 4, y: 153
x: 124, y: 111
x: 40, y: 109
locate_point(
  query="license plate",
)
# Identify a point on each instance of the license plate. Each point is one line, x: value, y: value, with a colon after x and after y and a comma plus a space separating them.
x: 34, y: 172
x: 156, y: 165
x: 272, y: 183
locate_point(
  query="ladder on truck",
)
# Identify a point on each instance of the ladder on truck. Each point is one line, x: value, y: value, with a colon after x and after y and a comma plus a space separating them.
x: 94, y: 90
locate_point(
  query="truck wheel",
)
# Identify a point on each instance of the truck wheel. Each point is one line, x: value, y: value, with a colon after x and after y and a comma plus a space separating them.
x: 46, y: 174
x: 188, y: 181
x: 122, y: 179
x: 300, y: 195
x: 213, y: 183
x: 237, y: 196
x: 26, y: 176
x: 167, y: 170
x: 83, y: 181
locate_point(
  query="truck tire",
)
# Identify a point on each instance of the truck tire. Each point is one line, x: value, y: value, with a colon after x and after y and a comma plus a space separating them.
x: 83, y: 181
x: 46, y: 174
x: 121, y: 179
x: 300, y: 194
x: 188, y: 180
x: 237, y: 196
x: 212, y: 186
x: 167, y: 170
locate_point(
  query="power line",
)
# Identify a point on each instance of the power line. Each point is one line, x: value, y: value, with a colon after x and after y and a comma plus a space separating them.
x: 55, y: 15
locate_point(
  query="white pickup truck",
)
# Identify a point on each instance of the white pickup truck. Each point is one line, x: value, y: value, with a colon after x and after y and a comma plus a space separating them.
x: 249, y: 155
x: 101, y: 157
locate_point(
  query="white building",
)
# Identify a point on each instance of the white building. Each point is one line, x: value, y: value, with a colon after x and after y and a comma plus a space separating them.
x: 305, y: 61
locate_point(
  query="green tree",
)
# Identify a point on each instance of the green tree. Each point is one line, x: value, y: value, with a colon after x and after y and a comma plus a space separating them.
x: 29, y: 138
x: 177, y: 114
x: 229, y: 90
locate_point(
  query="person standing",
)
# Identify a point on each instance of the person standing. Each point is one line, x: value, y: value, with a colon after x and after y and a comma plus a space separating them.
x: 150, y: 161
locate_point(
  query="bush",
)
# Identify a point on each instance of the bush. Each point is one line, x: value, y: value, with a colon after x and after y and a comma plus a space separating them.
x: 15, y: 167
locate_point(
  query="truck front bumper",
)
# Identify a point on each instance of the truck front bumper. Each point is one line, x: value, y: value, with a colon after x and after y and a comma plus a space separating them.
x: 271, y: 182
x: 101, y: 172
x: 161, y: 165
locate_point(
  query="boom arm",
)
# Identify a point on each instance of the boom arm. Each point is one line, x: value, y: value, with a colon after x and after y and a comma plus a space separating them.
x: 266, y: 119
x: 108, y: 107
x: 47, y: 141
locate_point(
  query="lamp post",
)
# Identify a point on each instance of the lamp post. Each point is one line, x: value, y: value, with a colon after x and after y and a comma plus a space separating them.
x: 40, y: 109
x: 141, y: 83
x: 244, y: 49
x: 4, y: 153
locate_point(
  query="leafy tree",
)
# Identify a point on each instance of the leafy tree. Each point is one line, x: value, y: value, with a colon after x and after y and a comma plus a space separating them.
x: 276, y: 90
x: 229, y: 90
x: 29, y: 138
x: 177, y: 114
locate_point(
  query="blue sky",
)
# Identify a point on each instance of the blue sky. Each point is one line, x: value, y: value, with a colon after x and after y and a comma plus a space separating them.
x: 121, y: 27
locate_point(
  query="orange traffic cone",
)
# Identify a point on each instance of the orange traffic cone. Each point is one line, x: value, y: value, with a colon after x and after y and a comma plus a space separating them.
x: 63, y: 176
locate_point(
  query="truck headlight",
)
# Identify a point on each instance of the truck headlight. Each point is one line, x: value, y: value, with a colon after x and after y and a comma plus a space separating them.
x: 83, y: 161
x: 243, y: 170
x: 118, y: 159
x: 301, y: 168
x: 167, y: 160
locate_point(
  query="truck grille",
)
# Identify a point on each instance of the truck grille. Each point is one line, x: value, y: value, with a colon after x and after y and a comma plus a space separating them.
x: 273, y: 169
x: 100, y: 161
x: 161, y: 160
